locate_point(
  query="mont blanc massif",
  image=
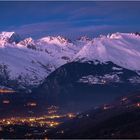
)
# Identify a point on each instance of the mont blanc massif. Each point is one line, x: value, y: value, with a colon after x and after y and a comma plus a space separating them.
x: 55, y: 75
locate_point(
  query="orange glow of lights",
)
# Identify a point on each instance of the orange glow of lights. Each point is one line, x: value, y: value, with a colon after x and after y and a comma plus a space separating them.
x: 71, y: 115
x: 32, y: 104
x: 6, y: 91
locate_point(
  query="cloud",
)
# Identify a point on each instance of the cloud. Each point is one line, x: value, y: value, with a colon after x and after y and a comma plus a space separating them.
x: 66, y: 29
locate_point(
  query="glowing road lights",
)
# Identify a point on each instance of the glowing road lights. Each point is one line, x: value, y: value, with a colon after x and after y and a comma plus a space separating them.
x: 32, y: 104
x: 71, y: 115
x: 6, y: 91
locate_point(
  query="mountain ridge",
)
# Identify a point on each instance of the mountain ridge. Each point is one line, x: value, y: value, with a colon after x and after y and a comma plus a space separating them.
x: 30, y: 61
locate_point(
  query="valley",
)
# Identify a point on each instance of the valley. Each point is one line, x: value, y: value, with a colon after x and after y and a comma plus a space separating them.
x: 51, y: 82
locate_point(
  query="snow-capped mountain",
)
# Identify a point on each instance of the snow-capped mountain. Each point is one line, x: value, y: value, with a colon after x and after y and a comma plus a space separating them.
x: 27, y: 62
x: 30, y: 61
x: 122, y: 49
x: 8, y: 37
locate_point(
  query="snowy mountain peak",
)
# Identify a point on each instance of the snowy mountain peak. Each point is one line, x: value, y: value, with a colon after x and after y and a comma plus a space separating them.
x: 120, y: 48
x: 32, y: 60
x: 55, y: 40
x: 6, y: 34
x: 123, y: 35
x: 9, y: 37
x: 26, y: 42
x: 84, y: 38
x: 116, y: 36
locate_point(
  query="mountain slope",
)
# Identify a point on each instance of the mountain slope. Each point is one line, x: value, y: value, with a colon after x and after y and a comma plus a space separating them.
x: 27, y: 62
x: 85, y: 84
x: 115, y: 120
x: 120, y: 48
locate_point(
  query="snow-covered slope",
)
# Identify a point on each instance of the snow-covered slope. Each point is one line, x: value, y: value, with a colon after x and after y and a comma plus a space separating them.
x: 8, y: 37
x: 29, y: 61
x: 122, y: 49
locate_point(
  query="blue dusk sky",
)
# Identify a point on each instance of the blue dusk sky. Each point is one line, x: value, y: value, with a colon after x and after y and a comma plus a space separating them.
x: 70, y: 19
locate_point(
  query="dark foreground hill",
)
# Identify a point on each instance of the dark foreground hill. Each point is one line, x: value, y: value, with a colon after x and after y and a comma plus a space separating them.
x: 118, y: 120
x: 84, y: 85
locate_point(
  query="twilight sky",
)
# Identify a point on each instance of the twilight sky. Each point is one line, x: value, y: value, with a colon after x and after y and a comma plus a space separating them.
x: 70, y: 19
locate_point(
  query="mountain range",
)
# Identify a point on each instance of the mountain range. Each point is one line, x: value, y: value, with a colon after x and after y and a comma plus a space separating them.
x: 27, y: 63
x: 74, y: 74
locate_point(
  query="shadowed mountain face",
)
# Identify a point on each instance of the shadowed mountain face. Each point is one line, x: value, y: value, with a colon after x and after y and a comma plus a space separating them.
x: 75, y: 87
x: 82, y: 85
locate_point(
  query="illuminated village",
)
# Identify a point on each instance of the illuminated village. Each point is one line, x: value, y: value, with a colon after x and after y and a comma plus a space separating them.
x: 2, y: 91
x: 34, y: 124
x: 50, y: 120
